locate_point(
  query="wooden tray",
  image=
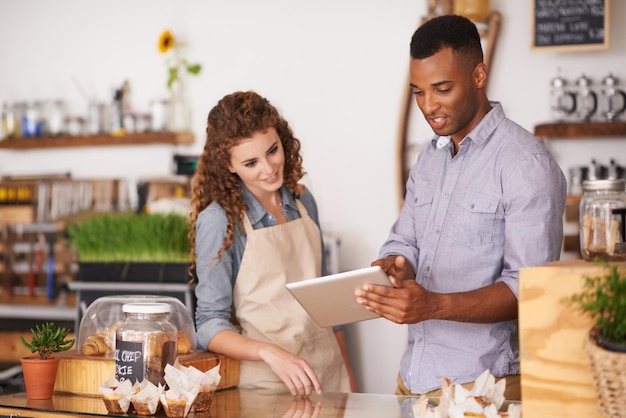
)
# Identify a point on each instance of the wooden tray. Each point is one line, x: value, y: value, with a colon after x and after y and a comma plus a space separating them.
x: 82, y: 375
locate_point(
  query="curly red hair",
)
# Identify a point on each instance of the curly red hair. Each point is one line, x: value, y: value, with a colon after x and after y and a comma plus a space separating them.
x: 235, y: 117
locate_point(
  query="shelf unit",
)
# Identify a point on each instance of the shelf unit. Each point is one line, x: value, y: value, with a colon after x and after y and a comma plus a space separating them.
x: 145, y: 138
x: 581, y: 130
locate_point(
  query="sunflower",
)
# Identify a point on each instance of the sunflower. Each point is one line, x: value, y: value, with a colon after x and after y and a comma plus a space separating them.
x: 166, y: 41
x: 176, y: 64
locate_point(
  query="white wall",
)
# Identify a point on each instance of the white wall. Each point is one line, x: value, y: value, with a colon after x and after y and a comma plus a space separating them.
x: 336, y: 69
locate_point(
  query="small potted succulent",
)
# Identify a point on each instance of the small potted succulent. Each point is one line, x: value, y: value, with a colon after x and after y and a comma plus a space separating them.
x: 40, y: 369
x: 603, y: 299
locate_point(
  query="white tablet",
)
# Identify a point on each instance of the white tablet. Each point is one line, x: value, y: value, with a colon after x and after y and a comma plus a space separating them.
x: 330, y: 300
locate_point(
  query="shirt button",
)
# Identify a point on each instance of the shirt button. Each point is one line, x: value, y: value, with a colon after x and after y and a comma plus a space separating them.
x: 446, y: 195
x: 427, y: 268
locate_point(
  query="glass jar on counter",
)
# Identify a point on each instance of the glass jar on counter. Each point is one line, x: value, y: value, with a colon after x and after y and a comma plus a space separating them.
x: 145, y: 341
x: 602, y: 220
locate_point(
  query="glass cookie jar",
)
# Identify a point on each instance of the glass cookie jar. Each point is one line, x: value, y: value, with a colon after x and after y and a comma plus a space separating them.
x: 602, y: 220
x: 145, y: 341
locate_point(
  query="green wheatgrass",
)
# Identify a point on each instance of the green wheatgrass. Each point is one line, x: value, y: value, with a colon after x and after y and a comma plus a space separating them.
x: 130, y: 237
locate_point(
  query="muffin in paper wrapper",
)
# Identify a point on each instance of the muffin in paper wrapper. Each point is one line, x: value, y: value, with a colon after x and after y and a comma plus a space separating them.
x: 177, y: 401
x: 190, y: 378
x: 145, y: 400
x: 484, y: 400
x: 116, y: 395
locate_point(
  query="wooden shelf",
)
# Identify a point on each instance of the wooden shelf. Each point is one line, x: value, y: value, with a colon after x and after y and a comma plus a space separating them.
x: 581, y: 130
x: 146, y: 138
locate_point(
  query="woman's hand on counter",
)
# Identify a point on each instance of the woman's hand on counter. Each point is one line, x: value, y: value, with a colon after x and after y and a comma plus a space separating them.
x: 294, y: 371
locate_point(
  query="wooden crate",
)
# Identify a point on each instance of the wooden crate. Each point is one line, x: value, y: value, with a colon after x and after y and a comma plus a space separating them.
x: 82, y: 375
x: 556, y: 377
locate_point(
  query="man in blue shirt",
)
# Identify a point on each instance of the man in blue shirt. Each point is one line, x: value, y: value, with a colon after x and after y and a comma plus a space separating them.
x: 483, y: 200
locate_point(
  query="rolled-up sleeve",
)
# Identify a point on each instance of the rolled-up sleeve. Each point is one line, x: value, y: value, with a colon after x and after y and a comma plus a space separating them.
x: 534, y: 215
x: 214, y: 289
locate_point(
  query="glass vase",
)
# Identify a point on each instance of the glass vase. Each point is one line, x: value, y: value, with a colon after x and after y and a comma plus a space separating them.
x: 179, y: 118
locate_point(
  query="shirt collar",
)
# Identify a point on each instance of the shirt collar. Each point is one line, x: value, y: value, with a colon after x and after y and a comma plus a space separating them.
x: 485, y: 128
x: 255, y: 211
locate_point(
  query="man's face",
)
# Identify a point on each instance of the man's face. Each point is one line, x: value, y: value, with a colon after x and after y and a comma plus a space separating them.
x: 446, y: 91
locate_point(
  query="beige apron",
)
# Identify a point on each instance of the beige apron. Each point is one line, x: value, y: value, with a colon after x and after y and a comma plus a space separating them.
x: 274, y: 256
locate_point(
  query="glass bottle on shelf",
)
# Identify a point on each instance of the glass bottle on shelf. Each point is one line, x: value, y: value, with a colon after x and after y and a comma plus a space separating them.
x: 32, y: 119
x: 53, y: 117
x: 10, y: 120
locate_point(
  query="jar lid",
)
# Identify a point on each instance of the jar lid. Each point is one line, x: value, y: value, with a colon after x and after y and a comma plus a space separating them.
x: 605, y: 184
x: 146, y: 308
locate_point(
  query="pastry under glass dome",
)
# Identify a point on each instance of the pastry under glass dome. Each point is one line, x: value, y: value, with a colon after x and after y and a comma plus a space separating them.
x: 96, y: 335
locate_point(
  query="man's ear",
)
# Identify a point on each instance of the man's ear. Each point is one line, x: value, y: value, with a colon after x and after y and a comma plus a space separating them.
x: 480, y: 75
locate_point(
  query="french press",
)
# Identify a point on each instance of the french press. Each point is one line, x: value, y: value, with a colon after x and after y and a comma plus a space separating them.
x: 563, y: 101
x: 612, y: 95
x: 587, y: 98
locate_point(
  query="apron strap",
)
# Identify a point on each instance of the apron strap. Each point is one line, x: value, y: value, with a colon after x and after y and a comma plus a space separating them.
x: 301, y: 209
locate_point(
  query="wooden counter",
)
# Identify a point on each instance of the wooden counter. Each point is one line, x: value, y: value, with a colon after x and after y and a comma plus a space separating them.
x: 556, y: 377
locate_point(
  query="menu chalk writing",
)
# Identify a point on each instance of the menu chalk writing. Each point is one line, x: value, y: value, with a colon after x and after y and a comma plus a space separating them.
x: 129, y: 361
x: 570, y: 23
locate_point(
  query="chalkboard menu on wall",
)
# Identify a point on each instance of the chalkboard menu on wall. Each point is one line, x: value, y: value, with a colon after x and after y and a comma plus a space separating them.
x: 570, y: 24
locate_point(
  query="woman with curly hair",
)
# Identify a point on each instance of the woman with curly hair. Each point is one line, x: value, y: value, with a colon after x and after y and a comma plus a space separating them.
x: 254, y: 228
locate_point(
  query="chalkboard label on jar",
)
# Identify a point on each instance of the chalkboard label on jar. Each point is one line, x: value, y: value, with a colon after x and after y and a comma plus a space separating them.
x: 129, y: 361
x: 570, y: 24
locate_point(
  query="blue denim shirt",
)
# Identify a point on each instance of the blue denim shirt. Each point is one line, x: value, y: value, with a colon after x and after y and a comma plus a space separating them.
x: 468, y: 221
x: 216, y: 278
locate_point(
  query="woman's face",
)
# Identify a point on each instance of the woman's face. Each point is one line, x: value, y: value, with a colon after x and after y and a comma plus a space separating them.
x: 259, y: 161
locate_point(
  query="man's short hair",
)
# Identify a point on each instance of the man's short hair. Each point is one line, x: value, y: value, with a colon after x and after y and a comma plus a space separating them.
x: 448, y: 31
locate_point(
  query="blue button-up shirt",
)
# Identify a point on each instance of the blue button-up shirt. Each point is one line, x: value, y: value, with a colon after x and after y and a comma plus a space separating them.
x: 468, y: 221
x: 216, y: 278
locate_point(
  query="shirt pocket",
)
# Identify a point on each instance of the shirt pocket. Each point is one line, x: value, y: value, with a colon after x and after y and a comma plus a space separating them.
x: 422, y: 204
x: 473, y: 219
